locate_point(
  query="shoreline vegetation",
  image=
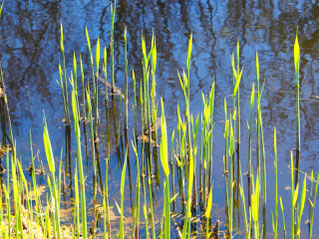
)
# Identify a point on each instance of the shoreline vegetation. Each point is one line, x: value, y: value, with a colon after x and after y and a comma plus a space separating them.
x: 181, y: 163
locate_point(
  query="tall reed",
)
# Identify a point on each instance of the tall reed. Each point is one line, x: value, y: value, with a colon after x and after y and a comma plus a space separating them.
x: 76, y: 116
x: 297, y: 63
x: 51, y: 163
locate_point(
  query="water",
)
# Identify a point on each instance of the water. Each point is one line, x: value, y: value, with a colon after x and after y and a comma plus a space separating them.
x: 30, y: 54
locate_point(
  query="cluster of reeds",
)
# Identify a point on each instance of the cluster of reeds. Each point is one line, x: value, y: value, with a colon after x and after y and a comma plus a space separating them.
x: 186, y: 159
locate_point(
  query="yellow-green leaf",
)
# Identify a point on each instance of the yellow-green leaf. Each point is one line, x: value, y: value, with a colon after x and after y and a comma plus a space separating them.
x: 97, y: 55
x: 296, y: 53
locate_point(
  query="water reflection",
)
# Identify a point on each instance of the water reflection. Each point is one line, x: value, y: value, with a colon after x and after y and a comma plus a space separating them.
x: 30, y: 55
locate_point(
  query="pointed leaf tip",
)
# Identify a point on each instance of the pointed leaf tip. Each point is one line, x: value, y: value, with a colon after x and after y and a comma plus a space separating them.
x: 296, y: 53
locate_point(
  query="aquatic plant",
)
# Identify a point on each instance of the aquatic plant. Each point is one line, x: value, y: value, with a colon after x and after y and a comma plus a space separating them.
x: 186, y: 159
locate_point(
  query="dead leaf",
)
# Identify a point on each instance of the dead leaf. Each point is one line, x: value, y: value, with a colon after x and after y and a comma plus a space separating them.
x: 40, y: 190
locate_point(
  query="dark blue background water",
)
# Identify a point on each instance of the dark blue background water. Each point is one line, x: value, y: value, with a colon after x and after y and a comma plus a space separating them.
x: 30, y: 54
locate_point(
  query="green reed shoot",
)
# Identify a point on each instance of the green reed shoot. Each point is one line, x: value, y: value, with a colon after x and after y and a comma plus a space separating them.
x: 165, y: 165
x: 208, y: 212
x: 232, y: 179
x: 83, y: 90
x: 75, y: 72
x: 206, y: 142
x: 313, y: 205
x: 9, y: 120
x: 294, y: 197
x: 297, y: 63
x: 76, y: 116
x: 260, y: 143
x: 252, y: 100
x: 275, y: 218
x: 225, y: 162
x: 125, y: 91
x: 106, y: 202
x: 283, y: 217
x: 146, y: 95
x: 113, y: 10
x: 137, y: 194
x: 173, y: 167
x: 7, y: 193
x: 150, y: 194
x: 63, y: 81
x: 23, y: 182
x: 255, y: 200
x: 238, y: 108
x: 104, y: 67
x: 51, y: 163
x: 16, y: 197
x: 302, y: 203
x: 258, y: 120
x: 153, y: 87
x: 34, y: 184
x: 242, y: 195
x: 93, y: 157
x: 121, y: 236
x: 264, y: 169
x: 143, y: 173
x: 96, y: 100
x: 134, y: 102
x: 77, y: 202
x: 94, y: 78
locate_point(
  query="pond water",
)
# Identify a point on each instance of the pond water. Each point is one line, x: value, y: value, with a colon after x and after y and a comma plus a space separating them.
x: 30, y: 54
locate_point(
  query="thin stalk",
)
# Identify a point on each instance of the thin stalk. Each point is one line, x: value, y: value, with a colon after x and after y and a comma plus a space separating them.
x: 297, y: 63
x: 63, y: 83
x: 313, y: 207
x: 165, y: 165
x: 283, y: 218
x: 50, y: 159
x: 137, y: 194
x: 275, y: 226
x: 76, y: 116
x: 122, y: 197
x: 125, y: 91
x: 252, y: 99
x: 93, y: 159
